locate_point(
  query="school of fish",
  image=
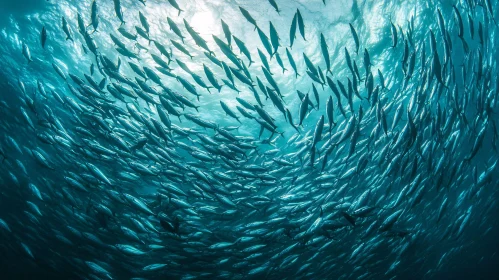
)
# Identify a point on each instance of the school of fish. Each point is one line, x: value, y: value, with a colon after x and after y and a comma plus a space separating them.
x: 384, y: 156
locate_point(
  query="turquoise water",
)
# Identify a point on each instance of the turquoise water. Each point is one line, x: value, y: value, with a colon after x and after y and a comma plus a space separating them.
x: 370, y: 153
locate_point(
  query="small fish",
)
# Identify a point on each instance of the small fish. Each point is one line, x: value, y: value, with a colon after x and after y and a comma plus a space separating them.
x: 292, y: 30
x: 393, y: 30
x: 94, y: 15
x: 355, y: 38
x: 27, y: 53
x: 176, y: 6
x: 43, y: 38
x: 301, y: 24
x: 325, y: 53
x: 67, y: 30
x: 226, y: 30
x: 248, y: 17
x: 242, y: 48
x: 143, y: 22
x: 274, y: 5
x: 175, y: 28
x: 118, y: 11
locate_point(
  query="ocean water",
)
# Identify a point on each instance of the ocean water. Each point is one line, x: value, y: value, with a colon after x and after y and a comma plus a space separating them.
x: 370, y: 153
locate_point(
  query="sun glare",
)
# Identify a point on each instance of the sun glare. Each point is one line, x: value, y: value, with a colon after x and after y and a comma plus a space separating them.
x: 203, y: 22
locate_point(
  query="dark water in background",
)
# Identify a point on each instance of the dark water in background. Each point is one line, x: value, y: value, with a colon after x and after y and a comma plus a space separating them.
x: 472, y: 256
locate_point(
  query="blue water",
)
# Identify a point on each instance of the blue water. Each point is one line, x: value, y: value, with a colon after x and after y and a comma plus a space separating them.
x: 239, y: 203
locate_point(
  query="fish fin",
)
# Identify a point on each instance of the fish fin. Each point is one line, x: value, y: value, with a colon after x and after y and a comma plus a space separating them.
x: 261, y: 132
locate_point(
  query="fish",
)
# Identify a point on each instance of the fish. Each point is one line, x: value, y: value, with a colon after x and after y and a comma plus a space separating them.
x: 211, y: 77
x: 181, y: 48
x: 94, y: 16
x: 275, y: 6
x: 292, y: 30
x: 266, y: 42
x: 43, y: 37
x: 162, y: 50
x: 264, y: 60
x: 301, y: 24
x: 27, y: 53
x: 292, y: 62
x: 248, y: 17
x: 228, y: 111
x: 318, y: 131
x: 355, y: 38
x: 127, y: 34
x: 393, y: 31
x: 325, y: 53
x: 274, y: 38
x: 59, y: 71
x: 119, y: 158
x: 67, y: 30
x: 197, y: 39
x: 143, y: 22
x: 118, y: 11
x: 226, y: 30
x: 82, y: 28
x: 176, y: 6
x: 143, y: 33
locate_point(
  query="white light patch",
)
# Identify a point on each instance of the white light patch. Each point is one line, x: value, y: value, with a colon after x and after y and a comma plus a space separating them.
x: 204, y: 23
